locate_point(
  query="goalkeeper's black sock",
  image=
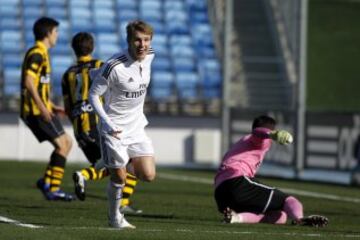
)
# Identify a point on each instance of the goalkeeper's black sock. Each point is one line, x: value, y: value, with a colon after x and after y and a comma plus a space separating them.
x: 129, y: 189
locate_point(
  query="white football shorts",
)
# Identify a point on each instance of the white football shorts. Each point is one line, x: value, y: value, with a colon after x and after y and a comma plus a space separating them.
x: 117, y: 153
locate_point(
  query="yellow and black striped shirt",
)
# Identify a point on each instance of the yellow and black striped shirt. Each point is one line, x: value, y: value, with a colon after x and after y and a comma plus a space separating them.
x: 36, y: 64
x: 76, y: 84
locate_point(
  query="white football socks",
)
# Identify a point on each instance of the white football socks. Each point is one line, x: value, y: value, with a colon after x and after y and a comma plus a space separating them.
x: 114, y: 192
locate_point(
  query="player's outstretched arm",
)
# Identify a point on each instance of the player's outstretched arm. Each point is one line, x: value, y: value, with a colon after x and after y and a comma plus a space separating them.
x: 281, y: 136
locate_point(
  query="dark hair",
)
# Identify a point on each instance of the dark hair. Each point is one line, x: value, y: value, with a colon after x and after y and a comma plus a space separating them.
x: 264, y: 121
x: 82, y: 44
x: 139, y: 26
x: 43, y: 26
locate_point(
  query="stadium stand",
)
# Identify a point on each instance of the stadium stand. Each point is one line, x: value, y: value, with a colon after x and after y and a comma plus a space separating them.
x: 186, y: 66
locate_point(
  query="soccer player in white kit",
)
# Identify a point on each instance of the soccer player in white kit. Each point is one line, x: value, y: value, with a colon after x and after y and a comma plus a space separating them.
x: 123, y: 82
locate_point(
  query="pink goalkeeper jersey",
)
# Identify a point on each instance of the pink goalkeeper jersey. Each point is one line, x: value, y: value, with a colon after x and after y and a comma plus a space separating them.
x: 245, y: 157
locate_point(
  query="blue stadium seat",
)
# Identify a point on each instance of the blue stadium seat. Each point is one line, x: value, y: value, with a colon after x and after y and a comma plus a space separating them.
x: 103, y: 4
x: 181, y: 51
x: 161, y: 64
x: 55, y: 3
x: 174, y: 5
x: 160, y: 39
x: 159, y: 44
x: 81, y: 25
x: 151, y: 14
x: 162, y: 85
x: 104, y: 26
x: 160, y: 50
x: 10, y: 24
x: 180, y: 39
x: 32, y: 3
x: 64, y: 30
x: 11, y: 41
x: 12, y: 78
x: 61, y: 48
x: 183, y: 64
x: 198, y: 5
x: 9, y: 11
x: 200, y: 33
x: 162, y: 78
x: 159, y: 27
x: 33, y: 11
x: 150, y: 5
x: 187, y: 85
x: 126, y: 4
x: 12, y: 60
x: 203, y: 51
x: 211, y: 78
x: 79, y: 3
x: 126, y: 15
x: 177, y: 27
x: 107, y: 38
x: 105, y: 51
x: 199, y: 17
x: 59, y: 64
x: 57, y: 12
x: 104, y: 14
x: 9, y: 2
x: 176, y: 15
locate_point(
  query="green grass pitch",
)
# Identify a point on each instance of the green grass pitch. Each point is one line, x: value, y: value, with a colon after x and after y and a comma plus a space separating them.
x: 178, y: 205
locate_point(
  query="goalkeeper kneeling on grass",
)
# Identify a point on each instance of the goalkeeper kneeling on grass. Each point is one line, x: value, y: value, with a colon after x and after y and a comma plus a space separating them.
x: 241, y: 198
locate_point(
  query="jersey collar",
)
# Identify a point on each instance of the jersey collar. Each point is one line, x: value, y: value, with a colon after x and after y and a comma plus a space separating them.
x: 85, y: 58
x: 41, y: 45
x: 133, y: 61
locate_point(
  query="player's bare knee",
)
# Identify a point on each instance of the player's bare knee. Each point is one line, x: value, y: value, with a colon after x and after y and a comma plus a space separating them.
x: 148, y: 177
x: 118, y: 176
x: 68, y: 142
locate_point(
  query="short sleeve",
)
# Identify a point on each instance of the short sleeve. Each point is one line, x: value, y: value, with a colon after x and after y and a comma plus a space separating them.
x: 33, y: 63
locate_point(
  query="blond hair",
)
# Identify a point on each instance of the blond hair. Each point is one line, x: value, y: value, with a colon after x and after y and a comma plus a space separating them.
x: 138, y: 26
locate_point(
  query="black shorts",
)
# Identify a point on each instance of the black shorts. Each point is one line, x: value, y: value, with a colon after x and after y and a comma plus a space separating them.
x: 44, y: 130
x: 243, y: 194
x: 90, y: 145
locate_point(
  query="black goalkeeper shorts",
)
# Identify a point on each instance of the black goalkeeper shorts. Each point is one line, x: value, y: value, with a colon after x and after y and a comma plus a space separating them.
x: 243, y: 194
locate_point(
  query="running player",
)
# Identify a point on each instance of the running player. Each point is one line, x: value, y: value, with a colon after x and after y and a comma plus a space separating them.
x: 123, y: 81
x: 37, y: 110
x: 241, y: 198
x: 76, y: 83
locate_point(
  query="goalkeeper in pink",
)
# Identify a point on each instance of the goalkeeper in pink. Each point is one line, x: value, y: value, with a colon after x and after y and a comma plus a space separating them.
x: 241, y: 198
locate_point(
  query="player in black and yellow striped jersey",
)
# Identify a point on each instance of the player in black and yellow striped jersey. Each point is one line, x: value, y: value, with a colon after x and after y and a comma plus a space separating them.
x: 76, y: 83
x: 37, y: 110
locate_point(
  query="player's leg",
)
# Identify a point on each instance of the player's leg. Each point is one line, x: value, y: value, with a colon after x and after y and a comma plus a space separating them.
x: 128, y: 191
x: 57, y: 168
x: 144, y: 168
x: 93, y: 154
x: 53, y: 132
x: 294, y: 209
x: 142, y: 158
x: 273, y: 217
x: 115, y: 157
x: 245, y: 200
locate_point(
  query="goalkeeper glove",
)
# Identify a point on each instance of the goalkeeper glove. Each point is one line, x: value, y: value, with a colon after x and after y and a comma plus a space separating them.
x: 281, y: 136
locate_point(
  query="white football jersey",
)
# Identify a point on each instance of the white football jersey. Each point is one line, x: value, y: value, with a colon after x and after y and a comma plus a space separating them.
x: 123, y: 82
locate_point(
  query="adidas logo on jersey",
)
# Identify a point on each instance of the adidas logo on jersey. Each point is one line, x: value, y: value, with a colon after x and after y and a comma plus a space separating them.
x: 130, y: 80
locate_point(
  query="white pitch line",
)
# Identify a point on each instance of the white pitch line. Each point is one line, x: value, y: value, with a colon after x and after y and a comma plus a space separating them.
x: 185, y: 230
x: 288, y: 190
x: 17, y: 223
